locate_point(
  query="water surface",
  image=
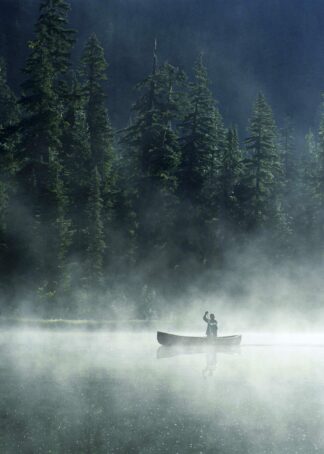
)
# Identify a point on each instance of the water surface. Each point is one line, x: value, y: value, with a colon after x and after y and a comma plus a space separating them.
x: 74, y: 392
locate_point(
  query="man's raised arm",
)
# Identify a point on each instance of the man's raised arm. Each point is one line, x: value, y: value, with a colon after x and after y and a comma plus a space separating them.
x: 205, y: 317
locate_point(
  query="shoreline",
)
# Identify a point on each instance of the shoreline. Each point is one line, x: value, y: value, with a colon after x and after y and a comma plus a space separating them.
x: 76, y: 324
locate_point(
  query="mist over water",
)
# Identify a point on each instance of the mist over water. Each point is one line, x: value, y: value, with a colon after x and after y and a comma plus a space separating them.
x: 122, y: 393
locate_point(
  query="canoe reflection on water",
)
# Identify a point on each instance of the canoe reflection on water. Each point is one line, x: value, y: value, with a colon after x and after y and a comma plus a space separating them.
x: 169, y: 352
x: 211, y: 354
x: 211, y: 363
x: 174, y: 345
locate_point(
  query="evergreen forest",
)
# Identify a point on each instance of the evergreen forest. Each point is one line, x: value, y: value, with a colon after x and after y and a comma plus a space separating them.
x: 93, y: 215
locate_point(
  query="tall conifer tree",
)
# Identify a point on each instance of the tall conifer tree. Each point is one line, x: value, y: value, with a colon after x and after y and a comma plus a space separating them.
x: 152, y: 141
x: 93, y: 71
x: 9, y: 116
x: 230, y: 174
x: 95, y: 232
x: 307, y: 204
x: 291, y: 174
x: 202, y: 142
x: 263, y: 169
x: 43, y: 99
x: 202, y: 139
x: 77, y: 167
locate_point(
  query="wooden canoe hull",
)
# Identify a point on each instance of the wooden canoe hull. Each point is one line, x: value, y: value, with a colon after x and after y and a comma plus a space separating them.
x: 191, y: 341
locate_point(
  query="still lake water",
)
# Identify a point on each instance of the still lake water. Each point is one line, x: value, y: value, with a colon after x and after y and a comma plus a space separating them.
x: 69, y: 392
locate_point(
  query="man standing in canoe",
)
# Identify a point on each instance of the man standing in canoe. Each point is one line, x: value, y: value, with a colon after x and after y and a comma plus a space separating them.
x: 212, y: 325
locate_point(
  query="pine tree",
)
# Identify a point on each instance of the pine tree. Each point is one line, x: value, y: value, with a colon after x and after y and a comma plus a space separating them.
x: 95, y: 232
x: 43, y: 102
x: 288, y: 152
x: 263, y: 171
x: 42, y: 90
x: 9, y: 116
x: 291, y: 173
x: 94, y: 68
x: 62, y: 231
x: 306, y: 190
x: 152, y: 135
x: 152, y: 142
x: 77, y: 167
x: 202, y: 143
x: 93, y: 71
x: 9, y: 111
x: 123, y: 245
x: 202, y: 139
x: 230, y: 173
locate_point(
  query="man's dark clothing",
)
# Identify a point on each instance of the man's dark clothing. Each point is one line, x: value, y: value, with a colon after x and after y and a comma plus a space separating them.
x: 212, y: 326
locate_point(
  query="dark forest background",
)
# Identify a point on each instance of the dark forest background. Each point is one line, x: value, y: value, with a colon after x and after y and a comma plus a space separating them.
x: 146, y: 144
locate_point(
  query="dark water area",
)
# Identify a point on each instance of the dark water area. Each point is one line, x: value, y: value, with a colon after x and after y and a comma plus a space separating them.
x: 76, y: 392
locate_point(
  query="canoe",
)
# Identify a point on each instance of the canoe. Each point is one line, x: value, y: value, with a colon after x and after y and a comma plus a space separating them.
x: 172, y: 339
